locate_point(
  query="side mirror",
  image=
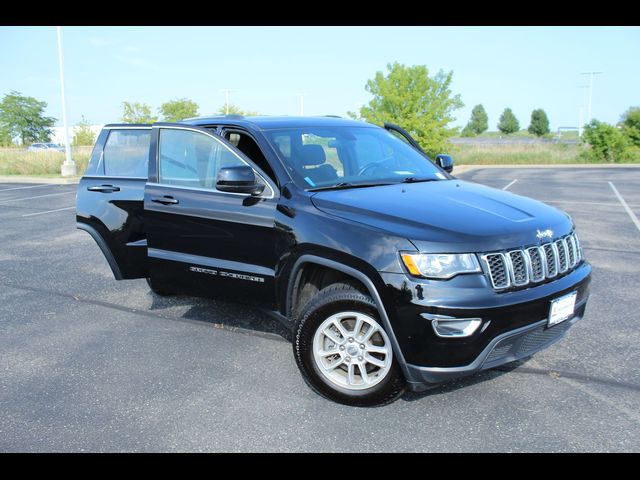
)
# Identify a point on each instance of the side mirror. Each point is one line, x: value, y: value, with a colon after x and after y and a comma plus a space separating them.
x: 445, y: 162
x: 241, y: 179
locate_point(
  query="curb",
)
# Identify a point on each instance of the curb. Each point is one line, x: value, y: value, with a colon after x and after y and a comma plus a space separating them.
x: 457, y: 169
x: 45, y: 180
x: 468, y: 168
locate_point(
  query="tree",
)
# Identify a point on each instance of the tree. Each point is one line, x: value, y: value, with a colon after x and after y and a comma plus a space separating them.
x: 631, y: 125
x: 539, y: 123
x: 24, y: 117
x: 508, y: 122
x: 178, y: 109
x: 479, y: 121
x: 82, y: 134
x: 467, y: 131
x: 137, y: 113
x: 607, y: 142
x: 235, y: 110
x: 5, y: 137
x: 421, y: 104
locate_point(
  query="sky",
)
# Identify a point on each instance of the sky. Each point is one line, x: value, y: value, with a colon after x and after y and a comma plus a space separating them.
x: 266, y: 68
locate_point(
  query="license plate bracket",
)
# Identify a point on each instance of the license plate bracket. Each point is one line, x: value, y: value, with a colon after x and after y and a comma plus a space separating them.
x: 562, y: 308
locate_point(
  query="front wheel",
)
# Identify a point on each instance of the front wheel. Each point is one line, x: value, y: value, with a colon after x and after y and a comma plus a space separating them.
x: 342, y: 350
x: 158, y: 289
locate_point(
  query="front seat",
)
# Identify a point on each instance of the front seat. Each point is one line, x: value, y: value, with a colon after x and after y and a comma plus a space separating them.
x: 314, y: 164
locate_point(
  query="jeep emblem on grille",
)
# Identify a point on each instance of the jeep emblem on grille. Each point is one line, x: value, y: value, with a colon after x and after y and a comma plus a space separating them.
x: 544, y: 233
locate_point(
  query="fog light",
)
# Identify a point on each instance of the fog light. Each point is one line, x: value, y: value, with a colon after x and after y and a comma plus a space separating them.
x: 448, y: 327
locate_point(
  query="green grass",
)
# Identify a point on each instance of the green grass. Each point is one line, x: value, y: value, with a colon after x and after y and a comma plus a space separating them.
x: 19, y: 161
x: 517, y: 154
x: 525, y: 154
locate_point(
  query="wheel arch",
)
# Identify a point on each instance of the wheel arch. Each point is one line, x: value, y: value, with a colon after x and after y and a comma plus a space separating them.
x: 350, y: 273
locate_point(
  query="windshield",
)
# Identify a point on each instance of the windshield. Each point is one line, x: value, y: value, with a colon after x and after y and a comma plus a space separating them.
x: 349, y: 156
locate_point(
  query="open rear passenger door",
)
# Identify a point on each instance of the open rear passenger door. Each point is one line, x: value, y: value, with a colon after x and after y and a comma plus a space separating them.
x: 109, y: 202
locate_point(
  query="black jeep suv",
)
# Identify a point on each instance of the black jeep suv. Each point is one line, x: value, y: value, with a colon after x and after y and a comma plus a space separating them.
x: 390, y: 272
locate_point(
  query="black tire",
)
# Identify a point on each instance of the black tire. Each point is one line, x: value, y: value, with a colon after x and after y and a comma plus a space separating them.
x: 159, y: 289
x: 336, y: 298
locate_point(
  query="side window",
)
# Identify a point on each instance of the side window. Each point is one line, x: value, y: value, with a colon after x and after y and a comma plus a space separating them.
x: 126, y: 153
x: 192, y: 159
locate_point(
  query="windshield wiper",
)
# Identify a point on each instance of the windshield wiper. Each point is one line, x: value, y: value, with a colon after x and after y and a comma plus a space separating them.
x: 345, y: 185
x: 418, y: 179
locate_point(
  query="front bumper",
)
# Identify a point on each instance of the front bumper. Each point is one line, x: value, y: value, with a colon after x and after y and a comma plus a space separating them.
x: 508, y: 347
x: 513, y: 323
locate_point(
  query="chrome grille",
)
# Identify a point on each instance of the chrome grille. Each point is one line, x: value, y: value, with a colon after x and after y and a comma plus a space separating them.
x: 561, y: 248
x: 519, y: 268
x: 522, y: 267
x: 498, y: 268
x: 536, y: 254
x: 551, y: 260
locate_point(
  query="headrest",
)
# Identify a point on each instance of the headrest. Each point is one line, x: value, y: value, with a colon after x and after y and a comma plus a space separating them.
x: 313, y: 155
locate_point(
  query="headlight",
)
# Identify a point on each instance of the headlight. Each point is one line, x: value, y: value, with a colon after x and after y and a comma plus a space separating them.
x: 440, y: 265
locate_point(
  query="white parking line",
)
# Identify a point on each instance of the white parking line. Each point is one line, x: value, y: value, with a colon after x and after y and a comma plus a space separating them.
x: 21, y: 188
x: 37, y: 196
x: 603, y: 204
x: 507, y: 187
x: 48, y: 211
x: 634, y: 219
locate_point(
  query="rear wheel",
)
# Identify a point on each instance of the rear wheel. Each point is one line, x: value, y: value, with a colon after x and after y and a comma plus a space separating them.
x: 342, y: 350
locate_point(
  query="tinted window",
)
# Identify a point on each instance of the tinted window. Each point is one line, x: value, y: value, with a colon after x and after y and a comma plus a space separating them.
x: 192, y: 159
x: 126, y: 153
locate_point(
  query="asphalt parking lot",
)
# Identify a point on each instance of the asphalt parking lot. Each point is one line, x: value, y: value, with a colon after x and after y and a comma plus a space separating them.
x: 91, y: 364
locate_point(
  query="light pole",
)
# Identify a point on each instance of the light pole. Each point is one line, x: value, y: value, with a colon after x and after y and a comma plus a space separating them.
x: 226, y: 99
x: 68, y: 168
x: 581, y: 121
x: 591, y: 74
x: 301, y: 95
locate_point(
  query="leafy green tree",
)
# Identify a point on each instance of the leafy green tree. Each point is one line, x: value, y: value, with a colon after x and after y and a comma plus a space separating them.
x: 5, y: 137
x: 479, y: 121
x: 508, y: 122
x: 467, y: 131
x: 421, y: 104
x: 135, y: 112
x: 631, y: 125
x: 24, y: 117
x: 539, y: 123
x: 82, y: 133
x: 235, y: 110
x: 178, y: 109
x: 607, y: 142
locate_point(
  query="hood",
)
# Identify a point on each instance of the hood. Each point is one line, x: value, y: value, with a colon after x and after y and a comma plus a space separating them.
x: 447, y: 216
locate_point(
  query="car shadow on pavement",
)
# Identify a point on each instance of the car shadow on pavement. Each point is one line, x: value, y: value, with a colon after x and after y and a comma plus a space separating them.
x: 453, y: 385
x: 225, y: 315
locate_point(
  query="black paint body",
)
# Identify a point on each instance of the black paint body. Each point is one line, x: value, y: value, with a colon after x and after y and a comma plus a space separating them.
x: 364, y: 229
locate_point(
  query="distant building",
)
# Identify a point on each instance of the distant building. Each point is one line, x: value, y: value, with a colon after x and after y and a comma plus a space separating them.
x: 57, y: 135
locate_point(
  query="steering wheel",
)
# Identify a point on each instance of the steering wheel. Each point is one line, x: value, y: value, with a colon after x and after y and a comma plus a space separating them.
x: 376, y: 164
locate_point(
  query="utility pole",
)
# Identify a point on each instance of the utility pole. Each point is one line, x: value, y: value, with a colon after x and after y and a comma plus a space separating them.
x: 226, y: 99
x: 301, y: 95
x: 68, y: 168
x: 581, y: 121
x: 591, y: 74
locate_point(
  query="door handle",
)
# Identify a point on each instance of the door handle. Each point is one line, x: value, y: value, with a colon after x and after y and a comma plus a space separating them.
x: 166, y: 200
x: 103, y: 188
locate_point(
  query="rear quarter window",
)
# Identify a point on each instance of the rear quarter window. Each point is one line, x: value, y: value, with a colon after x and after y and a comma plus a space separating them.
x: 126, y: 153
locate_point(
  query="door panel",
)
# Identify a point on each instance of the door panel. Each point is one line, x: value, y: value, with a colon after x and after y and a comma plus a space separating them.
x: 219, y: 244
x: 110, y: 205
